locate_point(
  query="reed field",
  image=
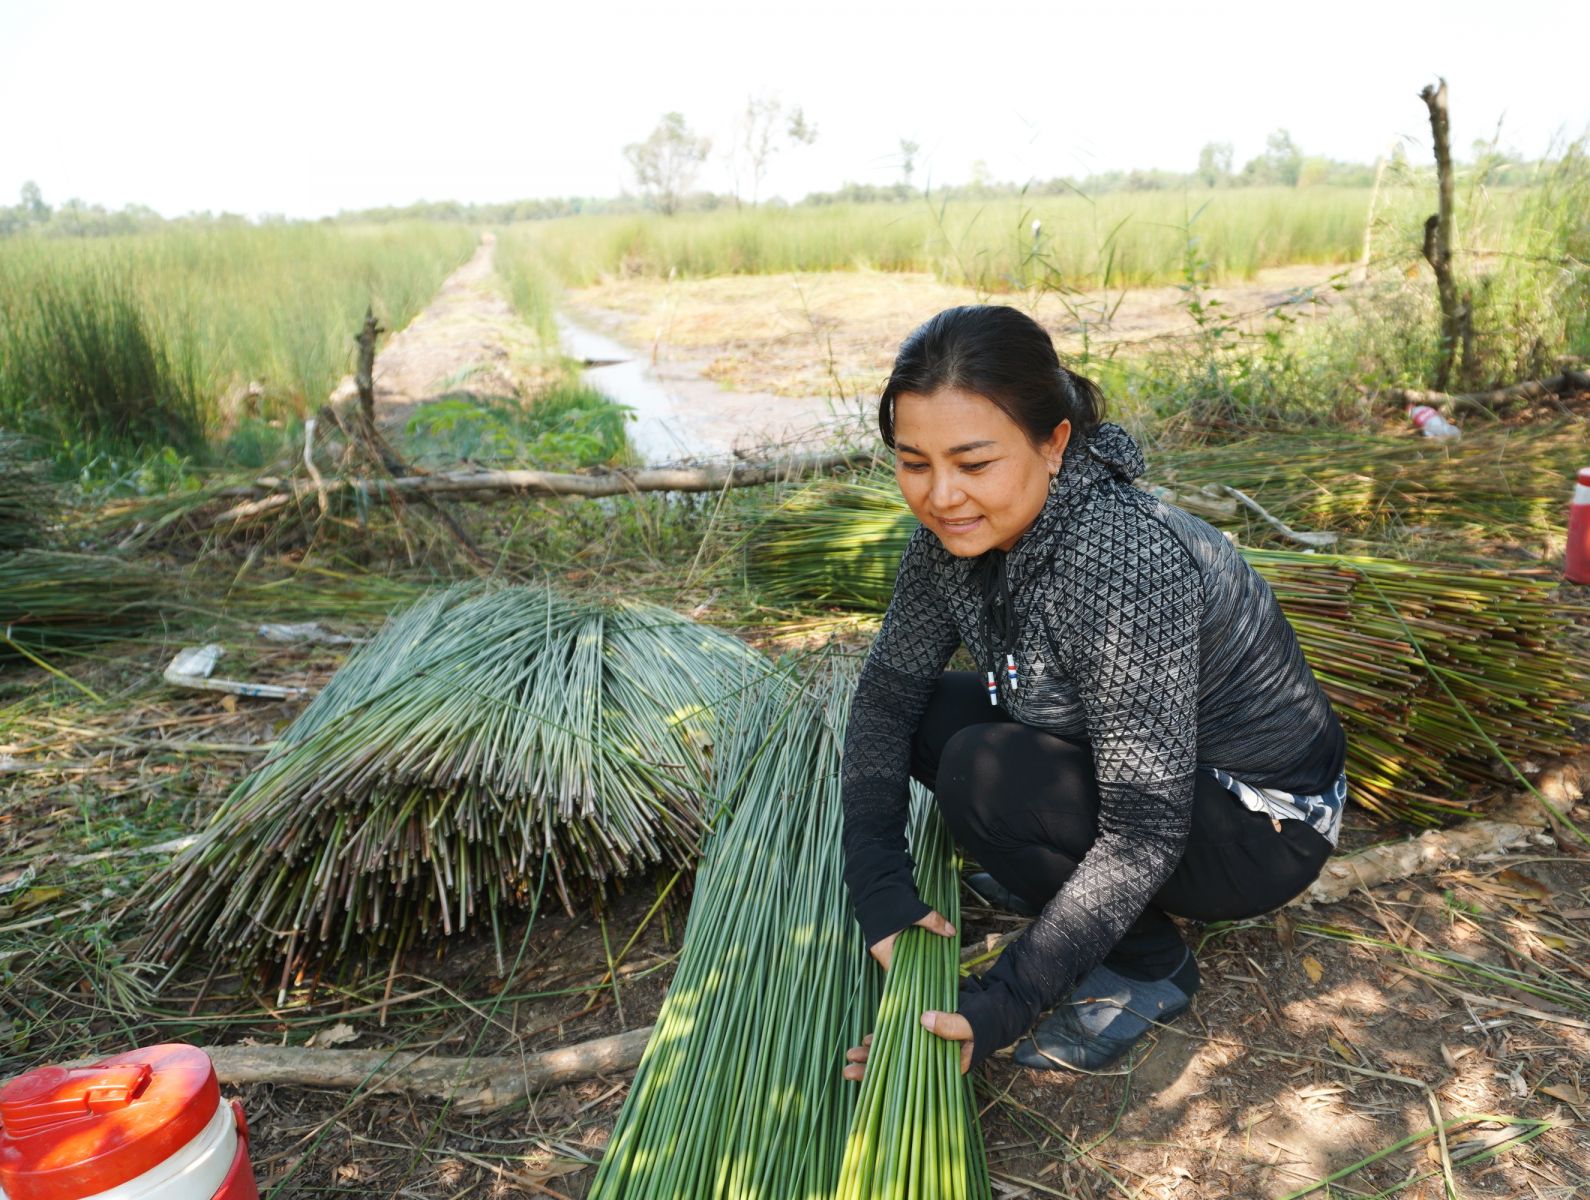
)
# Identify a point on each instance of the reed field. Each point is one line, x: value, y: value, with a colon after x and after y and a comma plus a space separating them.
x: 1137, y: 237
x: 531, y: 283
x: 180, y: 337
x: 1121, y: 238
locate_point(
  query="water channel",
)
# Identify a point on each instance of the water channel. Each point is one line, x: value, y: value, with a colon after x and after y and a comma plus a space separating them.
x: 682, y: 416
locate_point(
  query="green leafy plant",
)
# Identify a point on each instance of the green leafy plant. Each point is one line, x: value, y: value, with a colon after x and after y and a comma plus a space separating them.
x: 568, y: 426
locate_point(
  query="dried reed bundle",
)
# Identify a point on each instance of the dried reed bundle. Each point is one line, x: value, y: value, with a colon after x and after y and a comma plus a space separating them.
x: 482, y: 736
x: 1505, y: 485
x: 52, y: 599
x: 27, y: 500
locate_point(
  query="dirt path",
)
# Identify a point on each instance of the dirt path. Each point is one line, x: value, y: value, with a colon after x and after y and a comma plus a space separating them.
x: 468, y: 343
x: 831, y: 333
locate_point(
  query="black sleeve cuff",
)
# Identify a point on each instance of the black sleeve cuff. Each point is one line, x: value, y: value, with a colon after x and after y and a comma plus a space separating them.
x: 888, y: 910
x: 996, y: 1016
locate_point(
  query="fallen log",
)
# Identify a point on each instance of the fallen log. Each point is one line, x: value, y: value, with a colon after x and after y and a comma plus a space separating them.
x: 472, y: 1085
x: 1427, y: 853
x: 498, y: 485
x: 1489, y: 402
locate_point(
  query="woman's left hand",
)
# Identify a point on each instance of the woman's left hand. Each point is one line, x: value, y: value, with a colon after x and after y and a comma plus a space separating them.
x: 952, y: 1027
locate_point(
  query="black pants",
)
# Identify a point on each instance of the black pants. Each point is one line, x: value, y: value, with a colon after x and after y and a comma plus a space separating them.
x: 1025, y: 805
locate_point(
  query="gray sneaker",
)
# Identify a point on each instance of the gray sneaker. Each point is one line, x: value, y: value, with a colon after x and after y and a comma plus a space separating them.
x: 1105, y: 1017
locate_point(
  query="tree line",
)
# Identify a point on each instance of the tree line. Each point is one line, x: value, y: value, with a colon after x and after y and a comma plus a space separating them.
x: 666, y: 163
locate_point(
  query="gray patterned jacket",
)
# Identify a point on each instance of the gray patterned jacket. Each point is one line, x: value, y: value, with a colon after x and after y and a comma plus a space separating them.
x: 1141, y: 631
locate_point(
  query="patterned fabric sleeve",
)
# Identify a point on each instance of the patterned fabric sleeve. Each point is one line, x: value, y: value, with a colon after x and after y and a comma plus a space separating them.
x: 907, y: 657
x: 1128, y: 631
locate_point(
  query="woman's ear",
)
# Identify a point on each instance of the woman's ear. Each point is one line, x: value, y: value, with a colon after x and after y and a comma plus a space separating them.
x: 1053, y: 448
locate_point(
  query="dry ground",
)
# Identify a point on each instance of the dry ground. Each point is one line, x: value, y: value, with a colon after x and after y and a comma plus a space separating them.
x: 1304, y: 1054
x: 834, y: 334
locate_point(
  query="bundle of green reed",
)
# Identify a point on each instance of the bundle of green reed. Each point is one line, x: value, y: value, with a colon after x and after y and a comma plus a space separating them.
x: 1496, y: 485
x: 482, y: 736
x: 740, y: 1092
x: 27, y: 500
x: 915, y: 1132
x: 52, y: 599
x: 1435, y: 670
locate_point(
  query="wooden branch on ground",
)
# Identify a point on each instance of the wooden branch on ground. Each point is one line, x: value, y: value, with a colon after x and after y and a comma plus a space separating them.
x: 1205, y: 502
x: 500, y: 485
x: 1489, y: 402
x: 1314, y: 541
x: 472, y: 1085
x: 1422, y: 855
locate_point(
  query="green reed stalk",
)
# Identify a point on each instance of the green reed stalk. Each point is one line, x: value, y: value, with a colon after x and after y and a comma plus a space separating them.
x: 915, y: 1133
x: 740, y: 1092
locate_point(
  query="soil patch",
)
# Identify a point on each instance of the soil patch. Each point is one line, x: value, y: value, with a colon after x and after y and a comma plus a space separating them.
x: 835, y: 333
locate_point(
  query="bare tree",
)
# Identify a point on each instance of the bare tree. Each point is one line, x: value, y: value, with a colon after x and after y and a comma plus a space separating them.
x: 766, y: 127
x: 1457, y: 317
x: 665, y: 164
x: 908, y: 151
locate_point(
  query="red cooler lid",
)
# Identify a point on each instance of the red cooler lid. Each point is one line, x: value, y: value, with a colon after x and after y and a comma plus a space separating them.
x: 71, y: 1132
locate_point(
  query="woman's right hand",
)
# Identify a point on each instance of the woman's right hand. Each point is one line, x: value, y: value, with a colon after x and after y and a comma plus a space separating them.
x: 883, y: 948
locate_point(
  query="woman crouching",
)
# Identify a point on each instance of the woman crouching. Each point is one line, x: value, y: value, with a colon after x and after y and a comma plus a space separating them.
x: 1142, y: 737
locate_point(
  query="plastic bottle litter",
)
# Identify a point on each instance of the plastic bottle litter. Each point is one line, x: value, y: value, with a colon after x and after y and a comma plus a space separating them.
x: 1432, y: 424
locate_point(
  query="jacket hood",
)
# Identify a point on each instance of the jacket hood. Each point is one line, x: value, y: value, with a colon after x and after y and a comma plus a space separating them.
x: 1116, y: 449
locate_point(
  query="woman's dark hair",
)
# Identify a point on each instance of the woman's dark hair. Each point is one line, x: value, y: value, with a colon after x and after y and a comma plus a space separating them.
x: 998, y: 352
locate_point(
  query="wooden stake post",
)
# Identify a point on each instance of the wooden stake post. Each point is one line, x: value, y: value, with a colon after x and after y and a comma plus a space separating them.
x: 364, y: 375
x: 1438, y: 233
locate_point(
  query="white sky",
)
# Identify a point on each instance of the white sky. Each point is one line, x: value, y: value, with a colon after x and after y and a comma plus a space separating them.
x: 305, y: 109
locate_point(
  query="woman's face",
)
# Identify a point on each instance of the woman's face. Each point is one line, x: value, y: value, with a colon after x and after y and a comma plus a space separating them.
x: 968, y: 471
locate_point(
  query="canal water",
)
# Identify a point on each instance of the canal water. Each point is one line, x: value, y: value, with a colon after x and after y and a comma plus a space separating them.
x: 681, y: 416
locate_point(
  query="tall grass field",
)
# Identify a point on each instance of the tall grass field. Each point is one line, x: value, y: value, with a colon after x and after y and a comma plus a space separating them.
x: 209, y: 339
x: 136, y: 342
x: 1124, y: 238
